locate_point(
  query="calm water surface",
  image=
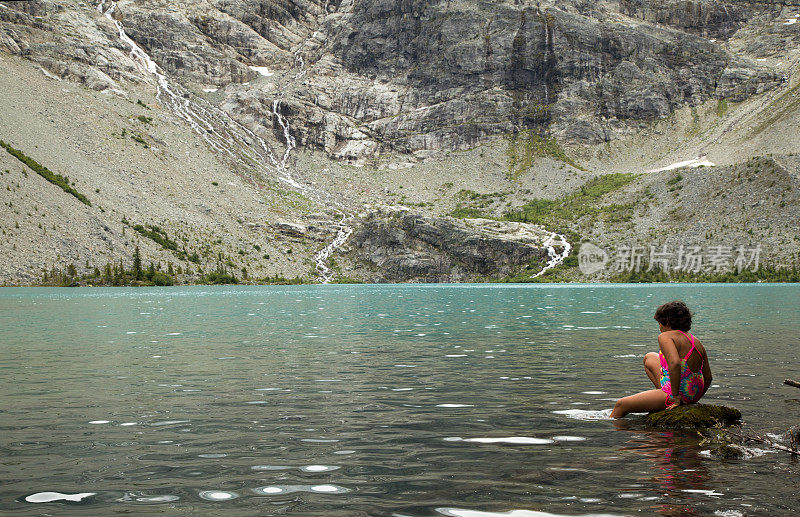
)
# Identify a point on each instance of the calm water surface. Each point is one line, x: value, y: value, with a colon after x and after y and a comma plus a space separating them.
x: 380, y: 400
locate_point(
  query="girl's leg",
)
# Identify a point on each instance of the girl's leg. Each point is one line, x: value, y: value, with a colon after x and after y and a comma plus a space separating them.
x: 644, y: 402
x: 652, y: 367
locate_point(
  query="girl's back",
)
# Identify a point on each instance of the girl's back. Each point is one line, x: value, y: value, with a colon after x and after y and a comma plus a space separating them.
x: 684, y: 345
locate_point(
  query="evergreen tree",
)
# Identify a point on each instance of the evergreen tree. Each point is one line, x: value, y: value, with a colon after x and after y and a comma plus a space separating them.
x: 137, y: 264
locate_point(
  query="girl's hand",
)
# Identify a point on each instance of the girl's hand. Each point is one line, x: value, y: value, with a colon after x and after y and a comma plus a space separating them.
x: 676, y: 401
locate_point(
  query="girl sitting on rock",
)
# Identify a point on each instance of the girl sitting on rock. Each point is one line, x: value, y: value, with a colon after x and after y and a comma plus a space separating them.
x: 681, y: 357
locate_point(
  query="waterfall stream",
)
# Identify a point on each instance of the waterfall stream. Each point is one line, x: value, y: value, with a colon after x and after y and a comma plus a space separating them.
x: 229, y: 137
x: 555, y: 258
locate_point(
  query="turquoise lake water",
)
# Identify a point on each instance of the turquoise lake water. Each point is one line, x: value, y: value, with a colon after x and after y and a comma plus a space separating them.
x: 407, y: 400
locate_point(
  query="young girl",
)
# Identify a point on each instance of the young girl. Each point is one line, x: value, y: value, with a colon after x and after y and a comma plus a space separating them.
x: 682, y: 357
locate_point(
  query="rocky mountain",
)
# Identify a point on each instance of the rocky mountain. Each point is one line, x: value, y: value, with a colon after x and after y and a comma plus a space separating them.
x: 251, y: 134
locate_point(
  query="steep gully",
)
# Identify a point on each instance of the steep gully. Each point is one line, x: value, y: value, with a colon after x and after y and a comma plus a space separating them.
x: 231, y: 138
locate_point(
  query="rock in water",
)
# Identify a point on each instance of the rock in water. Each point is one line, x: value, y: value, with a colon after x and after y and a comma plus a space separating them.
x: 728, y: 452
x: 793, y: 436
x: 695, y: 416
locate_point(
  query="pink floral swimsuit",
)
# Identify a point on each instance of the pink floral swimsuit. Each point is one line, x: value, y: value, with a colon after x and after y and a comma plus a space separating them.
x: 692, y: 383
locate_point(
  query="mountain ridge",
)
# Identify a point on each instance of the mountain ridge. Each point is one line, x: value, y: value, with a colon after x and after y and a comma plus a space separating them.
x: 371, y: 137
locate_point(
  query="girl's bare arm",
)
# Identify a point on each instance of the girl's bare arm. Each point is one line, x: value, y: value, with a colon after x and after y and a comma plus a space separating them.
x: 707, y: 377
x: 670, y: 351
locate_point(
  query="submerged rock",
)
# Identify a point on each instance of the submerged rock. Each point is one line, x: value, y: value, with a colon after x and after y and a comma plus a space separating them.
x: 728, y: 452
x: 695, y: 416
x: 793, y: 437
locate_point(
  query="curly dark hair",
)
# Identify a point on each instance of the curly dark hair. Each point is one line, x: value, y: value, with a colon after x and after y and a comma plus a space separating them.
x: 675, y: 315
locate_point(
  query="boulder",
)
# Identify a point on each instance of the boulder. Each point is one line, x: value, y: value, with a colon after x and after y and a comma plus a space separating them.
x: 694, y: 416
x: 793, y: 437
x: 399, y: 245
x: 728, y: 452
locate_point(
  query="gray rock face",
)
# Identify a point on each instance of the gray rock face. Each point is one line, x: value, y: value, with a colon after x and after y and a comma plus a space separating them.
x: 704, y: 17
x: 367, y: 76
x: 178, y: 42
x: 401, y: 246
x: 480, y: 69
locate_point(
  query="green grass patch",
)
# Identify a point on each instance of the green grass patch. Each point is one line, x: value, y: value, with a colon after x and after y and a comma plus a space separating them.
x: 471, y: 203
x: 548, y: 212
x: 466, y: 212
x: 674, y: 180
x: 56, y: 179
x: 618, y: 213
x: 524, y: 147
x: 281, y: 280
x: 139, y: 139
x: 156, y: 234
x: 112, y: 274
x: 722, y: 107
x: 563, y: 272
x: 219, y: 276
x: 764, y: 273
x: 780, y: 109
x: 344, y: 279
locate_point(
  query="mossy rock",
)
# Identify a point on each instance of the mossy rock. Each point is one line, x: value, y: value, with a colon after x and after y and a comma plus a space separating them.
x: 728, y: 452
x: 694, y: 416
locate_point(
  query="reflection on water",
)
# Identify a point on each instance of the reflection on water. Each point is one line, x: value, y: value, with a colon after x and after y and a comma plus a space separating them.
x: 379, y: 400
x: 677, y: 469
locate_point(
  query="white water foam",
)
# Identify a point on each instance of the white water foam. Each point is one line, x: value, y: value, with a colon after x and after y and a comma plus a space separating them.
x: 555, y: 258
x: 49, y: 497
x: 217, y: 495
x: 585, y: 414
x: 139, y: 498
x: 567, y: 438
x: 287, y: 489
x: 704, y: 492
x: 319, y: 468
x: 516, y: 440
x: 459, y: 512
x: 324, y: 488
